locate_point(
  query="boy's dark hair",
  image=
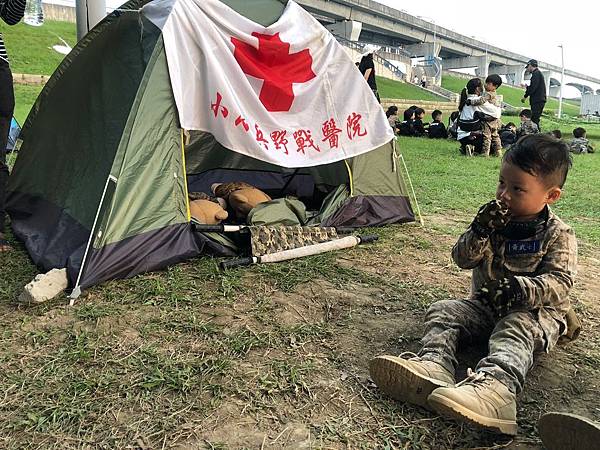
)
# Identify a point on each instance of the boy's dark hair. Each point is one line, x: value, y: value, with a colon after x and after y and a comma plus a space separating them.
x: 408, y: 113
x: 510, y: 124
x: 579, y: 132
x: 556, y: 133
x: 435, y: 114
x: 454, y: 115
x: 494, y: 79
x: 543, y: 156
x: 471, y: 88
x: 419, y: 111
x: 525, y: 113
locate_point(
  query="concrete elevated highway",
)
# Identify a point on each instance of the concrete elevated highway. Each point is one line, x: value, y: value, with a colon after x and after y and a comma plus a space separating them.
x: 405, y: 35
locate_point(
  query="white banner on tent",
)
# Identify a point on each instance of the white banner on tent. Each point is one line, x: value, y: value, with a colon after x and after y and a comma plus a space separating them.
x: 287, y: 94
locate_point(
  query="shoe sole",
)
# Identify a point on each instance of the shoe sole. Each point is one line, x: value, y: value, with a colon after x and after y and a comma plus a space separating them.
x: 449, y: 408
x: 563, y: 431
x: 401, y: 382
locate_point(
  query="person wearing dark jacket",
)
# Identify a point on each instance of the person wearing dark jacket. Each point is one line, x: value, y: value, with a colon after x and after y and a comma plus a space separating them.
x: 11, y: 12
x: 406, y: 127
x: 367, y: 69
x: 418, y: 125
x: 536, y: 91
x: 437, y: 129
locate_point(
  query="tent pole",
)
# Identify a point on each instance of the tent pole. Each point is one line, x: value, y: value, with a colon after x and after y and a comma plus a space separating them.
x: 77, y: 290
x: 412, y: 189
x: 185, y: 182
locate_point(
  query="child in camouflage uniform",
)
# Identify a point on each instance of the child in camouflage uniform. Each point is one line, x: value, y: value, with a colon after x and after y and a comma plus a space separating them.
x: 527, y: 125
x: 489, y: 105
x: 580, y: 143
x: 524, y: 261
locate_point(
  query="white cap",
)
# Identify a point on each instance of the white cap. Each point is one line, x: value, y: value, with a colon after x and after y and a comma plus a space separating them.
x: 370, y: 48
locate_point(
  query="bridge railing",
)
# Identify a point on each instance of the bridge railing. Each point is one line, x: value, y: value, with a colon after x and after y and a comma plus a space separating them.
x: 384, y: 62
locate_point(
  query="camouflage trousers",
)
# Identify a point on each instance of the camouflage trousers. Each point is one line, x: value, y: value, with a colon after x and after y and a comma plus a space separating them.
x: 513, y: 339
x: 491, y: 138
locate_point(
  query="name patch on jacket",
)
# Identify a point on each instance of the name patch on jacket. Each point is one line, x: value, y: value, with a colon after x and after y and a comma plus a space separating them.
x: 521, y: 247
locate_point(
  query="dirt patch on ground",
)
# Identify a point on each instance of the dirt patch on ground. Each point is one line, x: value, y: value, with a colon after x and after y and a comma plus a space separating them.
x: 269, y: 357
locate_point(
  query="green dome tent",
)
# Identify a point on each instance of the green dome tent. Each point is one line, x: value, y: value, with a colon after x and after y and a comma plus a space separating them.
x: 101, y: 182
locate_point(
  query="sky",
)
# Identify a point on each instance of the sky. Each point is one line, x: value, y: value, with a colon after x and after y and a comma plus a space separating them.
x: 530, y: 28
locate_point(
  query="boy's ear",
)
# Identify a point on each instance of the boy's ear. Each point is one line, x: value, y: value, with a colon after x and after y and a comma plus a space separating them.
x: 553, y: 195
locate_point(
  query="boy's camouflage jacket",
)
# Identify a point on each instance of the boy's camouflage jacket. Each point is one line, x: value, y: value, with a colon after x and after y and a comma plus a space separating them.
x: 544, y: 264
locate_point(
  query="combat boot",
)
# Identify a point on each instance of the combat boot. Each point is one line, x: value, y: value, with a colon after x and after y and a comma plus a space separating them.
x: 409, y: 380
x: 481, y: 400
x: 564, y: 431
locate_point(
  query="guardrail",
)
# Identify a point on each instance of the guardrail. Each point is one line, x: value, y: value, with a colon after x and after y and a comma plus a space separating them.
x: 360, y: 48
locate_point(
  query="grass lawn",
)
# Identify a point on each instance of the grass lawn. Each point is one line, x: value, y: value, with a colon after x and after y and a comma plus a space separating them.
x: 276, y: 356
x: 24, y: 99
x: 447, y: 183
x: 512, y: 96
x: 394, y: 89
x: 30, y: 48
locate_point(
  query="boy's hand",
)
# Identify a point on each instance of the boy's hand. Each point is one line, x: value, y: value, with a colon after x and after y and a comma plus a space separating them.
x: 501, y: 295
x: 491, y: 216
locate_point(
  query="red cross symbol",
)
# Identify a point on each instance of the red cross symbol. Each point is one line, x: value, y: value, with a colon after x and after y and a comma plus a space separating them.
x: 273, y: 62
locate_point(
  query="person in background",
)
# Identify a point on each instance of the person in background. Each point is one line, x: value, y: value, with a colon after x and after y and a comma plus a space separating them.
x: 453, y: 124
x: 527, y: 125
x: 508, y: 134
x: 12, y: 12
x: 580, y: 143
x: 367, y: 68
x: 423, y: 81
x: 556, y: 133
x: 536, y: 91
x: 437, y: 129
x: 416, y: 80
x: 418, y: 125
x: 406, y: 127
x: 490, y: 107
x: 468, y: 131
x: 392, y: 117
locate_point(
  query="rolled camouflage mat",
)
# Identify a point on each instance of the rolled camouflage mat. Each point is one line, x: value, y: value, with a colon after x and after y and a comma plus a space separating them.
x: 265, y: 240
x: 300, y: 252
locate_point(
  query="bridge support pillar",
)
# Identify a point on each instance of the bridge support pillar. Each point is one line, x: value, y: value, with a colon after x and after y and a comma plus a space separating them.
x: 348, y: 29
x: 423, y: 49
x: 514, y: 73
x: 480, y: 63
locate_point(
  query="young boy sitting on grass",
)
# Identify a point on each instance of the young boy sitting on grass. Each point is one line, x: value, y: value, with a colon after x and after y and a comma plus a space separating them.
x: 527, y: 125
x: 437, y: 129
x: 524, y: 261
x: 580, y: 143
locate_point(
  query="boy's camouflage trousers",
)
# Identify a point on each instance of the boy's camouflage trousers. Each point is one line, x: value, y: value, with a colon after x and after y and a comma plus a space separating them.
x: 513, y: 339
